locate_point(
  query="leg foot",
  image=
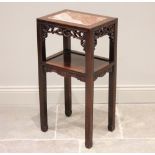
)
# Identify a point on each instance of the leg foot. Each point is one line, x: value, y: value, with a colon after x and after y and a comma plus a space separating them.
x: 68, y: 113
x: 88, y: 145
x: 111, y: 127
x: 44, y: 128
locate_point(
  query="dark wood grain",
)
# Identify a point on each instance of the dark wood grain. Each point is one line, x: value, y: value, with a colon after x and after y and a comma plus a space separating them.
x: 112, y: 82
x: 42, y: 80
x: 89, y: 88
x: 67, y: 79
x: 77, y: 63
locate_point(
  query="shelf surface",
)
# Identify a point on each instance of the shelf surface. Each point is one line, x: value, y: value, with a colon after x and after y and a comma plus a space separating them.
x: 75, y: 62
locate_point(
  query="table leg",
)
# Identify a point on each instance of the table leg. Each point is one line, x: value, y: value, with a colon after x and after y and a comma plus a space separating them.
x: 89, y: 86
x: 42, y: 79
x: 68, y: 102
x: 112, y: 82
x: 67, y: 79
x: 112, y: 100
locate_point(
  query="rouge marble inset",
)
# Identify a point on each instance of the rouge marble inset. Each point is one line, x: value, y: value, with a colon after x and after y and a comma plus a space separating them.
x: 77, y: 18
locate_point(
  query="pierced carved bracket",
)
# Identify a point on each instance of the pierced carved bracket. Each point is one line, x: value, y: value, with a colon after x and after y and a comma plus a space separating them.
x: 105, y: 30
x: 54, y: 29
x: 78, y: 34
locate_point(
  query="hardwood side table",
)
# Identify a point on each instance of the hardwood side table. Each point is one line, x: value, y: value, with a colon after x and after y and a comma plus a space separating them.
x: 84, y: 66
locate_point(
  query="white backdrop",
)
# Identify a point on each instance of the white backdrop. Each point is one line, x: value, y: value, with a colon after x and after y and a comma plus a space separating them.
x: 18, y: 52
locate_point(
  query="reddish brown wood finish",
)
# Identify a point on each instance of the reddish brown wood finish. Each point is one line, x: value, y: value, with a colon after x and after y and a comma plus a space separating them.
x: 42, y: 80
x: 83, y: 66
x: 89, y: 87
x: 67, y: 79
x: 77, y: 63
x: 112, y: 82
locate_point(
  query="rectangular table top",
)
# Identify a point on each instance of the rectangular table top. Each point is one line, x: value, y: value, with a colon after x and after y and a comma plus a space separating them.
x: 76, y: 18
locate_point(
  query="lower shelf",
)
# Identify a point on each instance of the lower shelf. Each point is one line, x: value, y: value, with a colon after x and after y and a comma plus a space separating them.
x: 73, y: 64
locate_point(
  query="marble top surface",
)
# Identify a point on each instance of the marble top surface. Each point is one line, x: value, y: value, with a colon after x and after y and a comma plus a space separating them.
x: 77, y: 18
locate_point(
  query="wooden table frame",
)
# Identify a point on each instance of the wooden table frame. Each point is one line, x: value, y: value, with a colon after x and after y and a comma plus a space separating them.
x: 88, y: 38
